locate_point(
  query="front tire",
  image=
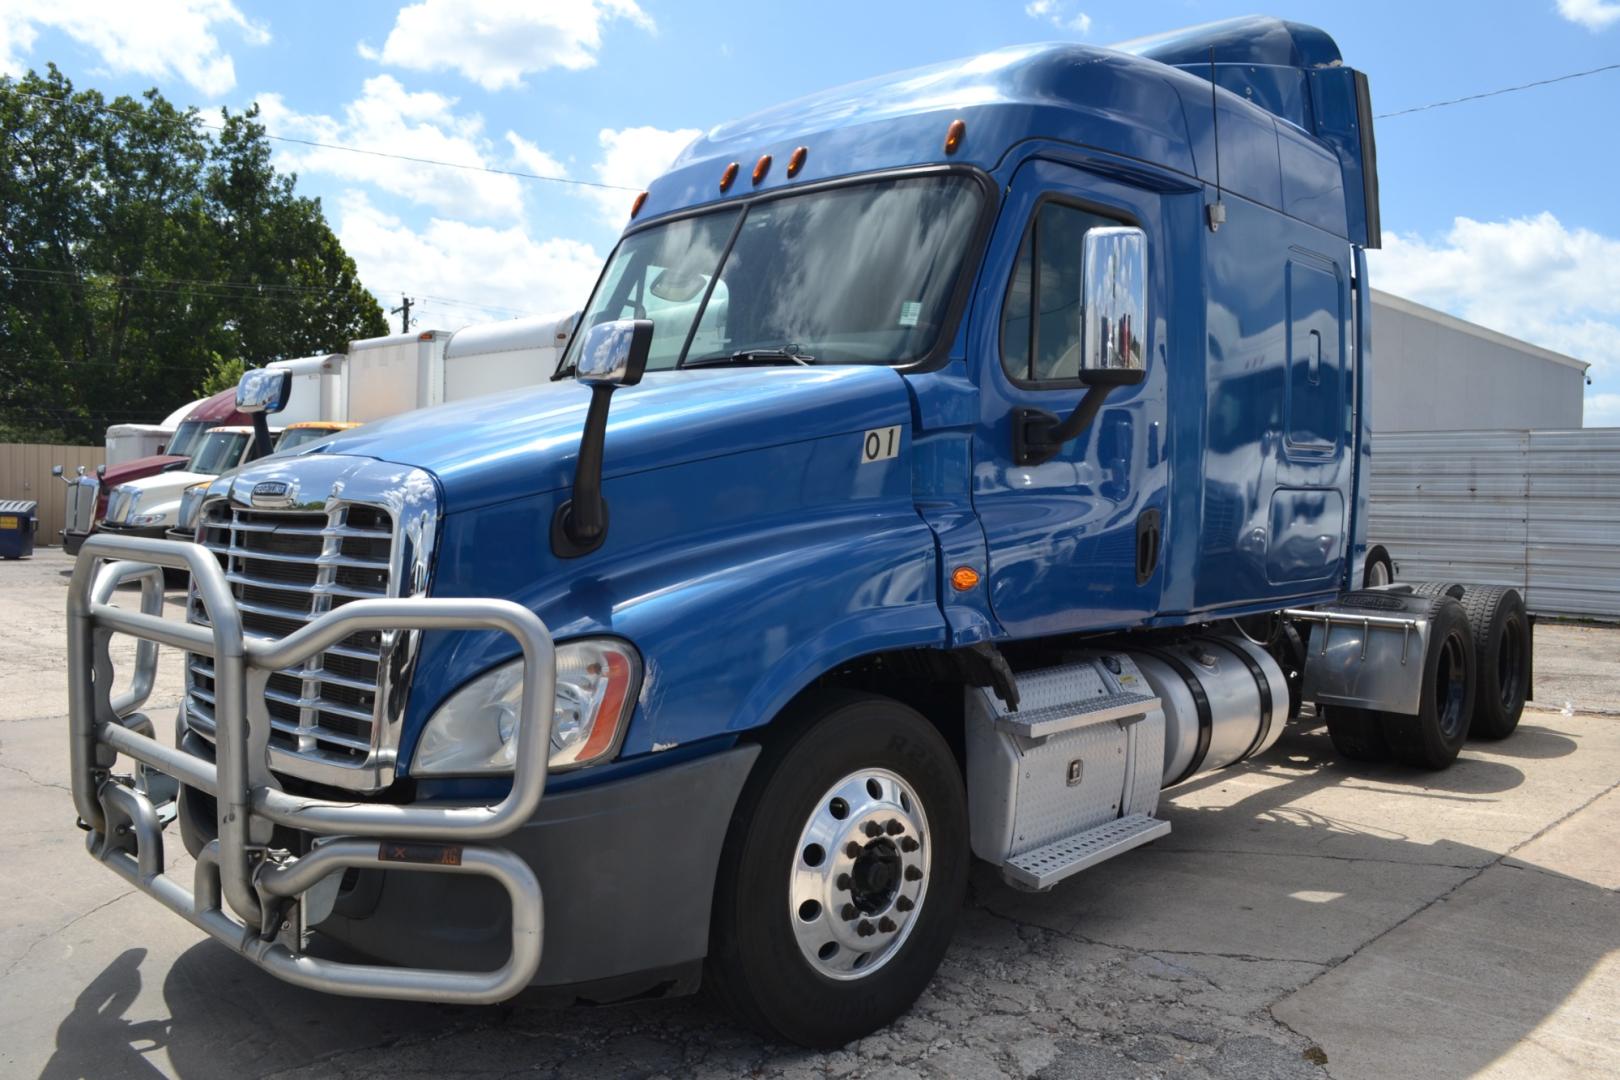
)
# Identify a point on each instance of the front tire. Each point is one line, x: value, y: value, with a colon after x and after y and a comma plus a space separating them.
x: 843, y: 872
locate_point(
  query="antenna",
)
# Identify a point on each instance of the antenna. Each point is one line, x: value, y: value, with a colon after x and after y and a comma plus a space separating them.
x: 1217, y: 209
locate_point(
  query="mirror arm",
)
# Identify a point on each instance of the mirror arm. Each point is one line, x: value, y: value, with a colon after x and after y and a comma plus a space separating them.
x: 261, y: 436
x: 1038, y: 435
x: 580, y: 524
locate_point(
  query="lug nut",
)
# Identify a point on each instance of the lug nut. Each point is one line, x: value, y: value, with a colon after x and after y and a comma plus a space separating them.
x: 887, y: 925
x: 852, y: 849
x: 865, y: 929
x: 849, y: 913
x: 907, y: 844
x: 913, y: 873
x: 872, y: 828
x: 894, y: 828
x: 843, y: 882
x: 903, y: 903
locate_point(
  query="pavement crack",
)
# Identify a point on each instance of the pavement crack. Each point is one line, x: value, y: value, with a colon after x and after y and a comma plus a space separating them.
x: 32, y: 779
x: 1156, y: 849
x: 60, y: 930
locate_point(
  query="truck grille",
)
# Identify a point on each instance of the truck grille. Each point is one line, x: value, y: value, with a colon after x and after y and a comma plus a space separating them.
x: 286, y: 568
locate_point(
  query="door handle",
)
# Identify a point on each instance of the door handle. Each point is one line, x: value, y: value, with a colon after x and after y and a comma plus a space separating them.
x: 1314, y: 358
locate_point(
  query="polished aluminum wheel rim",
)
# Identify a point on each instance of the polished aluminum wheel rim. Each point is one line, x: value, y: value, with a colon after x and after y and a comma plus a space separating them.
x: 859, y: 874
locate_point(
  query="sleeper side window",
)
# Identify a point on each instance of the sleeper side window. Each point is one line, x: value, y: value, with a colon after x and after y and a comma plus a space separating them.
x: 1040, y: 339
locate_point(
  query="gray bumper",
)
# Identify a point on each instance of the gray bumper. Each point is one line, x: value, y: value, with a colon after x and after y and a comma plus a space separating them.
x: 627, y: 869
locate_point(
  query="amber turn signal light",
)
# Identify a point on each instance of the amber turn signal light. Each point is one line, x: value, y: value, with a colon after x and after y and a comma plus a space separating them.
x: 964, y: 578
x: 953, y: 135
x: 796, y: 162
x: 727, y: 177
x: 635, y: 207
x: 761, y: 167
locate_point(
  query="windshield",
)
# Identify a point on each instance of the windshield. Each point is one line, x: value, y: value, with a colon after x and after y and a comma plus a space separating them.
x: 185, y: 437
x: 221, y: 450
x: 855, y: 274
x: 294, y: 437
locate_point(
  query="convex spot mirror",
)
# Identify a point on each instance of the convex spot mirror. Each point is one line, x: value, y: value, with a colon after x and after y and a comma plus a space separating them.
x: 677, y: 286
x: 264, y: 390
x: 614, y: 353
x: 1115, y: 305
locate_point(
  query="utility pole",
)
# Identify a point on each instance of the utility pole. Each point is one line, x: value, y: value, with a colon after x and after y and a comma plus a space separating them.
x: 404, y: 313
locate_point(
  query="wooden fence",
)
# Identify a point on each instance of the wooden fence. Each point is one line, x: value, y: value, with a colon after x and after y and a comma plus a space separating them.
x: 25, y: 473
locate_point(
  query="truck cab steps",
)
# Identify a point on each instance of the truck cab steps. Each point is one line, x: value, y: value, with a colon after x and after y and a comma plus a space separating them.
x: 1049, y: 864
x: 1124, y: 707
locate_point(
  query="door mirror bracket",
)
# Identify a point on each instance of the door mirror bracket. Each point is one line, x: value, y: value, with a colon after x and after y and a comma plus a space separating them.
x: 1038, y: 435
x: 611, y: 355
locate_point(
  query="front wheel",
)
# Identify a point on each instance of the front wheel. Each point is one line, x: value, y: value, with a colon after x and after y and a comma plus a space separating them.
x: 843, y: 873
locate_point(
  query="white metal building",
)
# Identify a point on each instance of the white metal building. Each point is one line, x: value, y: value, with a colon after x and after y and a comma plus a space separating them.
x: 1434, y: 372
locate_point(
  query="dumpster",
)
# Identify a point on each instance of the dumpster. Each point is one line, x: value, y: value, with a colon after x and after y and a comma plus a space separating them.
x: 19, y: 520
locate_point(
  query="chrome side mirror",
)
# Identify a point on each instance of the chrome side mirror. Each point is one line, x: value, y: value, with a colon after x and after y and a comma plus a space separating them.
x: 1114, y: 306
x: 614, y: 353
x: 264, y: 390
x: 56, y: 471
x: 101, y: 470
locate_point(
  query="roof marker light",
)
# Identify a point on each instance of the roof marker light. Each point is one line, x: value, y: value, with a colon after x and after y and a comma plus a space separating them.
x: 953, y: 135
x: 796, y: 162
x: 761, y: 167
x: 728, y: 176
x: 635, y: 207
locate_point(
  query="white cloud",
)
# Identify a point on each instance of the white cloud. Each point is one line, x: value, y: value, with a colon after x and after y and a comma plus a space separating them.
x: 387, y: 118
x: 1529, y: 277
x: 633, y: 158
x: 533, y: 159
x: 1595, y: 15
x: 1059, y: 14
x: 497, y: 42
x: 158, y: 39
x: 504, y: 268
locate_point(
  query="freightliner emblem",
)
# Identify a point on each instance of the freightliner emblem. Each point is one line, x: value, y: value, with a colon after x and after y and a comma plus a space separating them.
x: 271, y: 493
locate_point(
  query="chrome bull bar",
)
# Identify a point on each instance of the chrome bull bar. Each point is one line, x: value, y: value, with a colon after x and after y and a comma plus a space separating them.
x: 271, y: 893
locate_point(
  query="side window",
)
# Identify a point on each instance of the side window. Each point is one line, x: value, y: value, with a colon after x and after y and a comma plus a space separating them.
x: 1040, y: 340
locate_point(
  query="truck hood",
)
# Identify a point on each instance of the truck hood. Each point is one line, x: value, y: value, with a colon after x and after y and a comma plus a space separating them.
x: 524, y: 443
x: 133, y: 470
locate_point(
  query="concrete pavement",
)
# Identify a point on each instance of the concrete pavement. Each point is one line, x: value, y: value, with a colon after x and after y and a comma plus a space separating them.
x: 1305, y: 918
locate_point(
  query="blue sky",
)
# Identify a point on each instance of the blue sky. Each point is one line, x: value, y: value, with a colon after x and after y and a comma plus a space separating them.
x: 1498, y: 210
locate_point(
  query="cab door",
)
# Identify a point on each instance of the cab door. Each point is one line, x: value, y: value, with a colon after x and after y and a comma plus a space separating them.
x: 1076, y: 541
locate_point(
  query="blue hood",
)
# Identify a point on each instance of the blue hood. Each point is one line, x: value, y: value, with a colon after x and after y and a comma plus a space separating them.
x: 524, y: 443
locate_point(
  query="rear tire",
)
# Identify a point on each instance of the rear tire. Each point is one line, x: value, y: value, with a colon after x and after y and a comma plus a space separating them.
x: 1502, y: 655
x: 1357, y: 734
x: 851, y: 835
x: 1432, y: 738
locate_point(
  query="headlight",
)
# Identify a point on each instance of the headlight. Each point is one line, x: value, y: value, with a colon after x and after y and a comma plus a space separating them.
x: 140, y: 520
x: 474, y: 732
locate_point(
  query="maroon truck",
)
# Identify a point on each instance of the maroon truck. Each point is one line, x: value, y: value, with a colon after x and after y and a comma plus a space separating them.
x: 87, y: 497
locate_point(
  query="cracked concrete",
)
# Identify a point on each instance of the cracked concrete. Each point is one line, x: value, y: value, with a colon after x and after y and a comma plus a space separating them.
x: 1305, y: 918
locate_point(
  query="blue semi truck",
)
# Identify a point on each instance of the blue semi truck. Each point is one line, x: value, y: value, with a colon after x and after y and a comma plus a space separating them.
x: 944, y: 466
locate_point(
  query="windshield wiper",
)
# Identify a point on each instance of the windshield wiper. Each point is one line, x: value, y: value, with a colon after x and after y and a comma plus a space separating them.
x: 790, y: 353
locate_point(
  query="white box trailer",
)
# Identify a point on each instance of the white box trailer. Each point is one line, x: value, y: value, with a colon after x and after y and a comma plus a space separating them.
x: 317, y: 388
x: 401, y: 372
x: 486, y: 358
x: 394, y: 374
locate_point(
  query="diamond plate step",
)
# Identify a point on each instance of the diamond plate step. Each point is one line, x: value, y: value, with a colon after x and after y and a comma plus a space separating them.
x: 1046, y: 866
x: 1052, y: 719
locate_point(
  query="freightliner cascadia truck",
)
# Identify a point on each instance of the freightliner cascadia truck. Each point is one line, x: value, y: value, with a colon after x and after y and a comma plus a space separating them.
x: 944, y: 466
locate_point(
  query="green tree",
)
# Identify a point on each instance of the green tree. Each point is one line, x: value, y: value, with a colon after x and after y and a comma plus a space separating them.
x: 142, y: 254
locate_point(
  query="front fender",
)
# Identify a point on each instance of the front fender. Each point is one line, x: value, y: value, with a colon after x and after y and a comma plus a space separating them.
x: 741, y: 578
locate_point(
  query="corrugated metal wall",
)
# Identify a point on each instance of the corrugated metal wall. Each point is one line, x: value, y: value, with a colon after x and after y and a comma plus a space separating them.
x: 25, y: 473
x: 1538, y: 510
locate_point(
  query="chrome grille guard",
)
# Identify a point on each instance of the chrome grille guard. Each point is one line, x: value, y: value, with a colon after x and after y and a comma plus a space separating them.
x: 272, y: 894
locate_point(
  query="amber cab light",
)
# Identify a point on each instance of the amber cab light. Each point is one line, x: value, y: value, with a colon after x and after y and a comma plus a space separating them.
x: 761, y: 167
x: 953, y: 135
x: 635, y: 207
x: 796, y: 162
x: 728, y: 176
x: 964, y: 578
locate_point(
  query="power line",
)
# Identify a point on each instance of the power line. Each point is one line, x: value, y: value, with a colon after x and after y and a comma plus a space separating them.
x: 1503, y: 90
x: 196, y: 118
